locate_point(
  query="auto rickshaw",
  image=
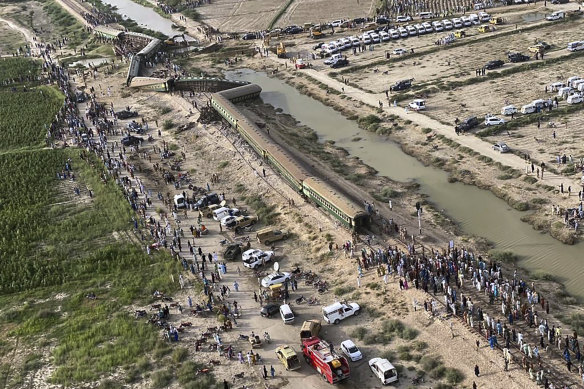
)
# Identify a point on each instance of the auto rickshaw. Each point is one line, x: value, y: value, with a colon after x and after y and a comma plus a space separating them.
x: 276, y: 292
x: 460, y: 34
x: 287, y: 355
x: 255, y: 341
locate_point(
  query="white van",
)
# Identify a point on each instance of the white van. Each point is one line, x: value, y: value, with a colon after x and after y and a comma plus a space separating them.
x: 447, y: 24
x: 576, y: 46
x: 437, y: 26
x: 426, y: 15
x: 485, y: 17
x: 466, y: 21
x: 403, y: 32
x: 576, y: 84
x: 508, y: 110
x: 220, y: 213
x: 394, y: 34
x: 457, y: 23
x: 528, y: 108
x: 412, y: 30
x: 571, y: 80
x: 564, y: 92
x: 574, y: 99
x: 287, y: 314
x: 474, y: 18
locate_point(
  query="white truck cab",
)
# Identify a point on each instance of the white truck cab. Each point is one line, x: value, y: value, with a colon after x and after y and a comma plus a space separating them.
x: 338, y: 311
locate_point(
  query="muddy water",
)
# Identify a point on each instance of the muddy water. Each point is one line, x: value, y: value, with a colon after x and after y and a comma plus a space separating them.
x: 144, y: 16
x: 533, y: 16
x: 477, y: 211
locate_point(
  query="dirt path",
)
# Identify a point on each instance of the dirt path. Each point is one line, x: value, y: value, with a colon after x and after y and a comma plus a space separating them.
x: 28, y: 35
x: 424, y: 121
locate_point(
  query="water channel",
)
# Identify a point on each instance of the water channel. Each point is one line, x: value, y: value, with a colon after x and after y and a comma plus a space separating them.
x: 146, y: 17
x: 477, y: 211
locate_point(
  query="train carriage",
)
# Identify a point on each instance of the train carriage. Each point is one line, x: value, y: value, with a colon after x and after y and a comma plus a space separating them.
x: 344, y: 210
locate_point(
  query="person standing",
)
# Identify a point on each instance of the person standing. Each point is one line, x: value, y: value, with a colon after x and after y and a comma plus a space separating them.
x: 477, y: 370
x: 265, y: 373
x: 236, y: 286
x: 272, y: 371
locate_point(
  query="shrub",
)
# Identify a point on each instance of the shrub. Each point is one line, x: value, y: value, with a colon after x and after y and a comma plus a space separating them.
x: 503, y: 256
x: 341, y: 290
x: 161, y: 379
x: 359, y: 333
x: 167, y: 124
x: 454, y: 376
x: 180, y: 354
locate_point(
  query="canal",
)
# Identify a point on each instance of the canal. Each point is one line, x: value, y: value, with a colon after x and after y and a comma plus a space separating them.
x: 477, y: 211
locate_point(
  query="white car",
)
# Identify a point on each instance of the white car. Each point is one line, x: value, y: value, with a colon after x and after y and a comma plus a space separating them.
x: 384, y: 36
x: 275, y: 278
x: 437, y: 26
x: 337, y: 23
x: 574, y: 99
x: 355, y: 41
x: 333, y: 58
x: 403, y: 32
x: 501, y: 147
x: 427, y: 27
x: 374, y: 37
x: 466, y: 21
x: 394, y: 34
x: 227, y: 219
x: 366, y: 39
x: 403, y: 18
x: 418, y: 105
x: 420, y: 28
x: 508, y: 110
x: 555, y: 16
x: 457, y: 23
x: 250, y: 253
x: 258, y: 259
x: 494, y: 121
x: 384, y: 370
x: 447, y: 24
x: 399, y: 51
x: 351, y: 351
x: 411, y: 30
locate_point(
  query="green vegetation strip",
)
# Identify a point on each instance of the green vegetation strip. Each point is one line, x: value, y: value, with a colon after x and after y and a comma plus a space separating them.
x: 17, y: 68
x: 55, y: 243
x: 279, y: 14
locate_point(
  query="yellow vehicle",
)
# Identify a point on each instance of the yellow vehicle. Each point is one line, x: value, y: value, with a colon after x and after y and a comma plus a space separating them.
x: 310, y: 328
x: 460, y: 34
x: 496, y: 21
x: 538, y: 48
x: 485, y: 28
x: 287, y: 355
x: 281, y: 50
x: 269, y: 235
x: 208, y: 210
x: 316, y: 32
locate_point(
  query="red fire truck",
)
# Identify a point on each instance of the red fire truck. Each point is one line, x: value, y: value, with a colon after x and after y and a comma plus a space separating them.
x: 333, y: 367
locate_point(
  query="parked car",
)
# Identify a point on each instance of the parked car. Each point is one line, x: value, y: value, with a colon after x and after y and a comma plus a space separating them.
x: 228, y: 220
x: 338, y: 311
x: 351, y: 351
x: 242, y: 221
x: 447, y: 24
x: 257, y: 260
x: 418, y: 105
x: 131, y: 140
x: 467, y: 124
x: 300, y: 64
x: 574, y: 99
x: 557, y: 15
x: 401, y: 85
x: 528, y: 108
x: 332, y: 59
x: 399, y: 51
x: 275, y: 278
x: 221, y: 212
x: 493, y: 121
x: 287, y: 314
x: 403, y: 18
x: 501, y: 147
x: 269, y: 235
x: 248, y: 36
x: 383, y: 370
x: 180, y: 201
x: 518, y: 57
x: 494, y: 64
x: 340, y: 63
x: 287, y: 355
x: 269, y: 310
x: 125, y: 114
x: 211, y: 198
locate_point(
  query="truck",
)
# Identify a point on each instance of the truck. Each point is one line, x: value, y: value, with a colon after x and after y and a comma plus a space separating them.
x: 281, y: 50
x: 333, y: 367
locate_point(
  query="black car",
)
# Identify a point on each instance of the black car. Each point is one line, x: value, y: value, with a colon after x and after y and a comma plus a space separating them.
x: 340, y: 63
x: 318, y: 46
x: 359, y: 20
x: 211, y: 198
x: 560, y: 1
x: 467, y: 124
x: 293, y: 30
x: 131, y: 140
x: 126, y: 114
x: 518, y: 57
x: 249, y: 36
x: 383, y: 20
x: 401, y: 85
x: 494, y: 64
x: 269, y: 310
x: 232, y: 252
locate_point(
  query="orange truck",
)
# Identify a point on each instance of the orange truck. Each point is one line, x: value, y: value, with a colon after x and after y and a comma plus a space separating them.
x: 333, y: 367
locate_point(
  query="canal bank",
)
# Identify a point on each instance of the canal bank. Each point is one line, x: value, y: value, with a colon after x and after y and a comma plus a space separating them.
x: 477, y: 211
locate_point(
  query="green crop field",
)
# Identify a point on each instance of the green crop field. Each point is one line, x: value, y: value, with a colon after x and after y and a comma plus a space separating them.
x: 56, y: 248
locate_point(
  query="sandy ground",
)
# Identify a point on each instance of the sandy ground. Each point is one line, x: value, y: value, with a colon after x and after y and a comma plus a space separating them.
x: 240, y: 15
x: 12, y: 37
x: 209, y: 144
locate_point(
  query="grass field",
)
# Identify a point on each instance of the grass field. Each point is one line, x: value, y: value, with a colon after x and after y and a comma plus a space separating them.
x: 56, y: 248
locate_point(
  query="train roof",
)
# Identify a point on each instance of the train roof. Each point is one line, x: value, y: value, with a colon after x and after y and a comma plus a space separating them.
x: 340, y: 201
x: 143, y: 81
x: 240, y: 91
x: 109, y: 31
x: 151, y: 47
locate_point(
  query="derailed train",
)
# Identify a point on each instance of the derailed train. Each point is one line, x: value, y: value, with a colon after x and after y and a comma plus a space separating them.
x: 339, y: 206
